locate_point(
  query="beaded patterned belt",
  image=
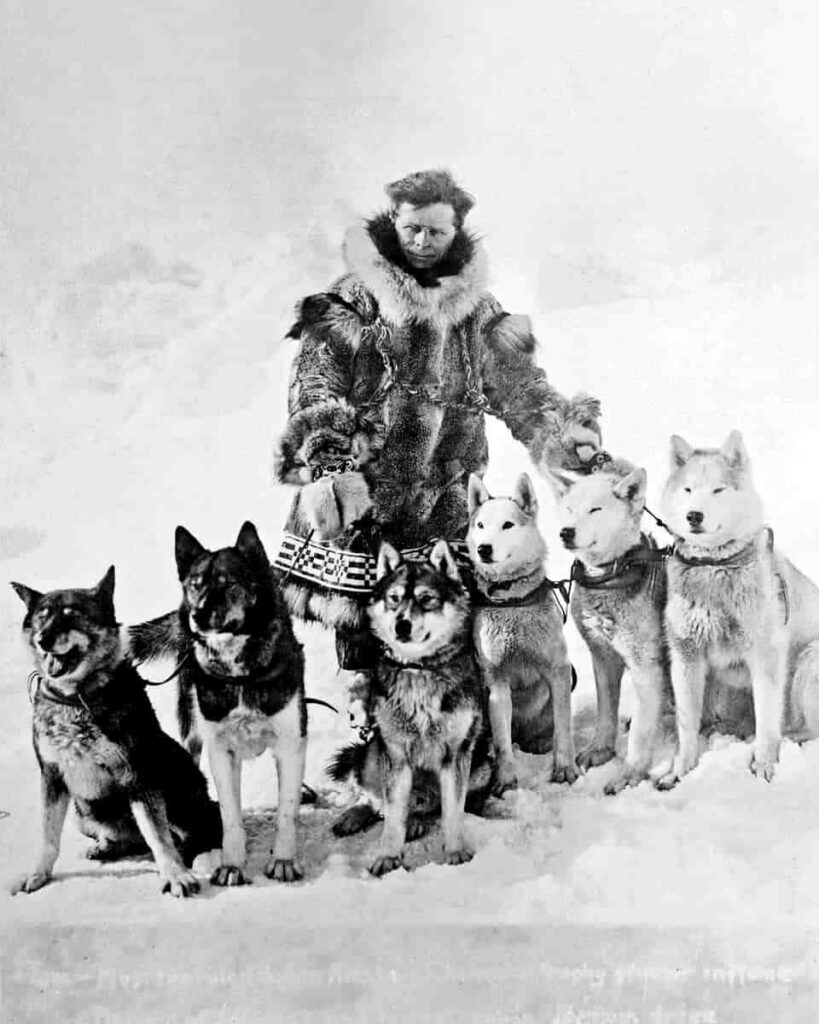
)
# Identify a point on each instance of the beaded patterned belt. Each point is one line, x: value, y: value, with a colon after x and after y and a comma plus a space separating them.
x: 350, y: 572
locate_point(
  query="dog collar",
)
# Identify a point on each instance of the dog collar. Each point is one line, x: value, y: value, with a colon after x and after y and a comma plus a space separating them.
x: 624, y: 572
x: 442, y: 657
x: 737, y: 560
x: 38, y: 686
x: 488, y: 598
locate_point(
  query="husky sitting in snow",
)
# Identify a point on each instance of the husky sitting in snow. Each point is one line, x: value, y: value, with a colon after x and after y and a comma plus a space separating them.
x: 618, y: 596
x: 738, y: 613
x: 518, y: 633
x: 99, y: 744
x: 426, y: 702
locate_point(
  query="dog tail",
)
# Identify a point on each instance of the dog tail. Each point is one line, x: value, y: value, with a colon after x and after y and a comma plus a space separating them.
x: 347, y: 762
x: 157, y: 638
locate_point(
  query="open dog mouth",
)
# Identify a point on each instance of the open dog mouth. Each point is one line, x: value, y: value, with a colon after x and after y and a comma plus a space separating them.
x: 57, y: 665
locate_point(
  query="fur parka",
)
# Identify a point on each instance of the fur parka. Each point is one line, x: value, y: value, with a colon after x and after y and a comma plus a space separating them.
x: 395, y: 370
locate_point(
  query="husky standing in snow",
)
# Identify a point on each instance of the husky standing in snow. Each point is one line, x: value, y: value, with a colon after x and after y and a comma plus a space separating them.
x: 738, y: 613
x: 518, y: 633
x: 241, y: 685
x: 618, y: 594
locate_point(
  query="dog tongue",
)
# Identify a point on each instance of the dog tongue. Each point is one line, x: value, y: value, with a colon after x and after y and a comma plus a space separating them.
x: 53, y: 664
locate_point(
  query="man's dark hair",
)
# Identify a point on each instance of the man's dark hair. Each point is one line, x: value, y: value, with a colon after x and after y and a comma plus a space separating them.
x: 423, y: 188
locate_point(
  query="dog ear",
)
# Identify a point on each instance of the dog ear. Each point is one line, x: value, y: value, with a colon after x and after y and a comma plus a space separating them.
x: 442, y: 559
x: 28, y: 596
x: 734, y: 451
x: 524, y: 495
x: 560, y: 481
x: 188, y: 550
x: 632, y: 488
x: 477, y: 493
x: 104, y: 591
x: 249, y: 544
x: 388, y: 560
x: 681, y: 452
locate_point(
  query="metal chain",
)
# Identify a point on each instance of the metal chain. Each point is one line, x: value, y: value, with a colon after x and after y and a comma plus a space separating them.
x: 476, y: 401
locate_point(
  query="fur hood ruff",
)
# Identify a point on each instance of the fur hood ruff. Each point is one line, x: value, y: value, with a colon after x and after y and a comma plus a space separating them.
x: 401, y: 298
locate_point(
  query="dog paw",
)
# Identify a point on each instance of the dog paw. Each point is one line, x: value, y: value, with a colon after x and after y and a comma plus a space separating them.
x: 355, y: 819
x: 282, y: 869
x: 229, y: 875
x: 179, y: 882
x: 623, y: 781
x: 763, y: 769
x: 667, y: 781
x: 565, y: 773
x: 417, y: 828
x: 30, y: 883
x: 504, y: 778
x: 383, y: 865
x: 594, y: 756
x: 461, y: 856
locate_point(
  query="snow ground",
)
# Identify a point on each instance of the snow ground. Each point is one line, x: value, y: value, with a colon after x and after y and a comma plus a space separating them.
x: 646, y: 906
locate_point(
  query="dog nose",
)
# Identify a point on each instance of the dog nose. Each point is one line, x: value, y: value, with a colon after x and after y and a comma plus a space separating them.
x: 403, y: 628
x: 567, y: 535
x: 695, y: 518
x: 485, y: 552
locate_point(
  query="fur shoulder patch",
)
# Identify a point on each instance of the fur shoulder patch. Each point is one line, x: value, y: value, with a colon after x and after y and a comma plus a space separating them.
x: 330, y: 314
x: 511, y: 332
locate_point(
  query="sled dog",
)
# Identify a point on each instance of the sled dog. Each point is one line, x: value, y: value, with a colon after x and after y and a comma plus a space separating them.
x: 617, y: 603
x: 98, y: 743
x: 241, y: 684
x: 739, y: 614
x: 518, y: 633
x: 426, y: 698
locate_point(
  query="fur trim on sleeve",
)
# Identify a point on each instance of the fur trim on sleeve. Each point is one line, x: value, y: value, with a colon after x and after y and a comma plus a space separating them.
x: 325, y: 432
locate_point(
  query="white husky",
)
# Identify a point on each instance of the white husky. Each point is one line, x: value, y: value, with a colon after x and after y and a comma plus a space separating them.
x: 738, y: 613
x: 618, y: 594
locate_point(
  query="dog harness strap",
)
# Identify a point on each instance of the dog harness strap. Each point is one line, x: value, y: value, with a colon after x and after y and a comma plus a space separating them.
x: 740, y: 558
x: 624, y: 572
x: 349, y: 572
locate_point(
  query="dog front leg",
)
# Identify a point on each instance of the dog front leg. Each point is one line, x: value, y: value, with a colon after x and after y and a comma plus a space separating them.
x: 454, y: 781
x: 648, y: 689
x: 55, y: 800
x: 565, y: 766
x: 688, y: 682
x: 397, y: 786
x: 226, y: 769
x: 768, y: 675
x: 151, y: 816
x: 290, y: 770
x: 500, y: 719
x: 608, y: 674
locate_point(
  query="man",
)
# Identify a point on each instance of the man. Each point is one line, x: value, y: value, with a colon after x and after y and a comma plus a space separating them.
x: 397, y: 365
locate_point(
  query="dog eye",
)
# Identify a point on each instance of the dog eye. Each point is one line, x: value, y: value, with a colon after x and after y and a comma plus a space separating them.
x: 507, y: 525
x: 597, y: 508
x: 392, y: 601
x: 718, y: 490
x: 687, y: 490
x: 428, y: 601
x: 479, y: 525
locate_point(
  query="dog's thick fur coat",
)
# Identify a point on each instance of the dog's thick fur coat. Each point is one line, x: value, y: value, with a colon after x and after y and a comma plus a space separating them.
x: 426, y: 700
x: 739, y: 614
x: 241, y: 684
x: 617, y: 604
x: 98, y: 743
x: 518, y: 633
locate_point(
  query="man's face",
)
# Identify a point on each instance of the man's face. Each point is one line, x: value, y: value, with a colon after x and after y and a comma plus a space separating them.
x: 425, y: 233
